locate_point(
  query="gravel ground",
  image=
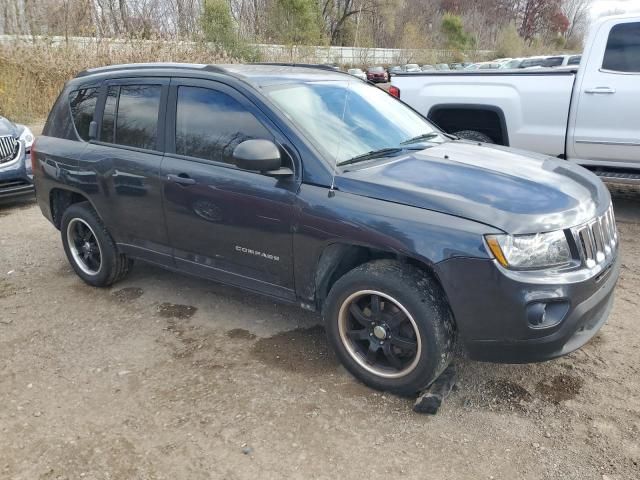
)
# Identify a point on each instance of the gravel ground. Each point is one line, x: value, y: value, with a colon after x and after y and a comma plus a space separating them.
x: 168, y: 377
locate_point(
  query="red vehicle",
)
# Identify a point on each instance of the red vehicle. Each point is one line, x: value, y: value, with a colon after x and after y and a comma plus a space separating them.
x: 377, y: 74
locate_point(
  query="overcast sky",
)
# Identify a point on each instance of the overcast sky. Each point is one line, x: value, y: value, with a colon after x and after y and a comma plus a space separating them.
x: 599, y: 7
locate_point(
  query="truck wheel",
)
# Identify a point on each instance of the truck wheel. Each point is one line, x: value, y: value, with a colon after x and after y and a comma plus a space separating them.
x: 90, y: 249
x: 390, y: 325
x: 474, y: 136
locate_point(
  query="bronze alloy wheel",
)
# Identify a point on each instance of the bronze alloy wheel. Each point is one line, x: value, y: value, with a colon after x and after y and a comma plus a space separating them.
x: 379, y: 334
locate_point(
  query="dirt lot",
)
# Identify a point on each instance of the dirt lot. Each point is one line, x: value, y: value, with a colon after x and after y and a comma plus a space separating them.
x: 169, y: 377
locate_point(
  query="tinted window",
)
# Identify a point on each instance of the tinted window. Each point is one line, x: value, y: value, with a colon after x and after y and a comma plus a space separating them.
x: 532, y: 62
x: 575, y: 60
x: 107, y: 129
x: 376, y: 69
x: 623, y: 49
x: 553, y: 61
x: 83, y: 105
x: 137, y: 116
x: 210, y: 124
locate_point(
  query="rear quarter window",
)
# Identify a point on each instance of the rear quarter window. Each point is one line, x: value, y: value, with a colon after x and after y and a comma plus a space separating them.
x: 83, y: 106
x: 59, y: 123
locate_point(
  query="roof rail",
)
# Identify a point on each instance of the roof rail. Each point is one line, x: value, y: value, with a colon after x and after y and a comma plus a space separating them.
x: 140, y: 66
x: 321, y: 66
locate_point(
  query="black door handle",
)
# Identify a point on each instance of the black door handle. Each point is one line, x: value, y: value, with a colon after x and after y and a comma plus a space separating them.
x: 182, y: 179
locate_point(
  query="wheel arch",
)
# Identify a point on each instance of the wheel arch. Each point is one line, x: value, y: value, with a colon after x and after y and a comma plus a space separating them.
x: 60, y: 199
x: 488, y: 119
x: 339, y: 258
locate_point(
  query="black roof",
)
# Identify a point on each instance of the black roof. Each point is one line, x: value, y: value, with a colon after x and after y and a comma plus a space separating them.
x: 261, y: 74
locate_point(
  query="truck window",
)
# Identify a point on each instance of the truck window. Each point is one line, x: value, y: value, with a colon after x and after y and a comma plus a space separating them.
x: 83, y: 105
x: 623, y: 49
x: 210, y: 124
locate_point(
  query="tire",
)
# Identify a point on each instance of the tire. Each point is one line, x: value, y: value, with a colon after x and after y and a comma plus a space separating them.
x: 413, y: 335
x: 90, y: 249
x: 474, y: 136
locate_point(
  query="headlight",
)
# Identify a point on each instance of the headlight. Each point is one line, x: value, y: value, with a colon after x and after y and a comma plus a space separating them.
x: 540, y: 250
x: 27, y: 137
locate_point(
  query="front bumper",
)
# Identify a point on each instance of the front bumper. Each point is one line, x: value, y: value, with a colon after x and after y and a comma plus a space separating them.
x: 492, y: 310
x: 15, y: 179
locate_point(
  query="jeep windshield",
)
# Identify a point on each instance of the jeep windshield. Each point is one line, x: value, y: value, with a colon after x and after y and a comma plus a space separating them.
x: 352, y: 121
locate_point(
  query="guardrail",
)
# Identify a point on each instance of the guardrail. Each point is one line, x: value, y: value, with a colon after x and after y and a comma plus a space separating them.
x: 275, y: 53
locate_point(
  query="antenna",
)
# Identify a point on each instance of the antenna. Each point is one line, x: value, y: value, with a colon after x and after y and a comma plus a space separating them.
x: 335, y: 162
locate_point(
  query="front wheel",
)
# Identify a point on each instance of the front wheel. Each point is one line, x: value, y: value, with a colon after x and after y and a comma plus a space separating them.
x: 90, y: 249
x: 390, y: 325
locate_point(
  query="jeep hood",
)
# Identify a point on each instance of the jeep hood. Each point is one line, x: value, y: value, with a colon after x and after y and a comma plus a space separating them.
x: 515, y: 191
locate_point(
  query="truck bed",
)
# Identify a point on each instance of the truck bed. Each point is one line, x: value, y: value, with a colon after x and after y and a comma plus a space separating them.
x: 535, y: 101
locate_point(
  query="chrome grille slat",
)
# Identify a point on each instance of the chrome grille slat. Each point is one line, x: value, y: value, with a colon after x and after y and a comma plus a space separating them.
x: 597, y: 239
x: 606, y: 232
x: 8, y: 148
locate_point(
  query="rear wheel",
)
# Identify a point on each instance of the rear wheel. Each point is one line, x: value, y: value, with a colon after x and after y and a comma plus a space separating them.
x: 390, y: 325
x: 90, y: 249
x: 474, y: 136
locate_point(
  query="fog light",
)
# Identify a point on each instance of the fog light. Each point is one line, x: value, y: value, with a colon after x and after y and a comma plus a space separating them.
x: 546, y: 314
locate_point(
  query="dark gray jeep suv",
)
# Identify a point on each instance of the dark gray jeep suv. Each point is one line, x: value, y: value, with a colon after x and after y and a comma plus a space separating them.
x: 318, y: 189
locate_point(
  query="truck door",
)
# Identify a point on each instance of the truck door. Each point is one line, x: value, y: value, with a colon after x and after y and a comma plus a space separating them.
x: 607, y: 115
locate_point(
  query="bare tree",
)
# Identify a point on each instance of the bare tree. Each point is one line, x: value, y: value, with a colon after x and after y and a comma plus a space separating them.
x: 577, y: 12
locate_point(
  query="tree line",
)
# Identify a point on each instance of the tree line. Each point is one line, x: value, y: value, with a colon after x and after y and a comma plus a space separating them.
x: 420, y: 24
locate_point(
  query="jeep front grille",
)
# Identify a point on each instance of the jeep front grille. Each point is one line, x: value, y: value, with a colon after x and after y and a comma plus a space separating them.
x: 597, y: 240
x: 9, y: 148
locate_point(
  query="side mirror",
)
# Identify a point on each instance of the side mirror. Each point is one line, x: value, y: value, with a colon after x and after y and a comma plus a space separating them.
x: 93, y: 130
x: 260, y: 156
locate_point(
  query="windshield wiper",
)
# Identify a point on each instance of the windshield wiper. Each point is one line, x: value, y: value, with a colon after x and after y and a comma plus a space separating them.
x: 382, y: 152
x: 424, y: 136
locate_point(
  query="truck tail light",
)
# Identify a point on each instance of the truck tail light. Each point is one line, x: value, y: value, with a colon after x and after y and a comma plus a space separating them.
x: 394, y: 91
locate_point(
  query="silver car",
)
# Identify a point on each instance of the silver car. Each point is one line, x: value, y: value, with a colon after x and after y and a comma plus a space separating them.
x: 16, y: 177
x: 356, y: 72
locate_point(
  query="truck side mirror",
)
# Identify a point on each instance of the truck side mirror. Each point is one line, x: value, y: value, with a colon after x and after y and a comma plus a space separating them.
x: 260, y: 156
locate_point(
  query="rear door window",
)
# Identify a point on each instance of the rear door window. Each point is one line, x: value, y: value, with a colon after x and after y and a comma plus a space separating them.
x: 83, y: 106
x: 130, y: 116
x: 623, y: 49
x: 137, y: 116
x: 210, y: 124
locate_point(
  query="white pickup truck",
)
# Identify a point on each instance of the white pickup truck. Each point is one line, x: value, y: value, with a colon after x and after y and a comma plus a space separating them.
x: 589, y: 115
